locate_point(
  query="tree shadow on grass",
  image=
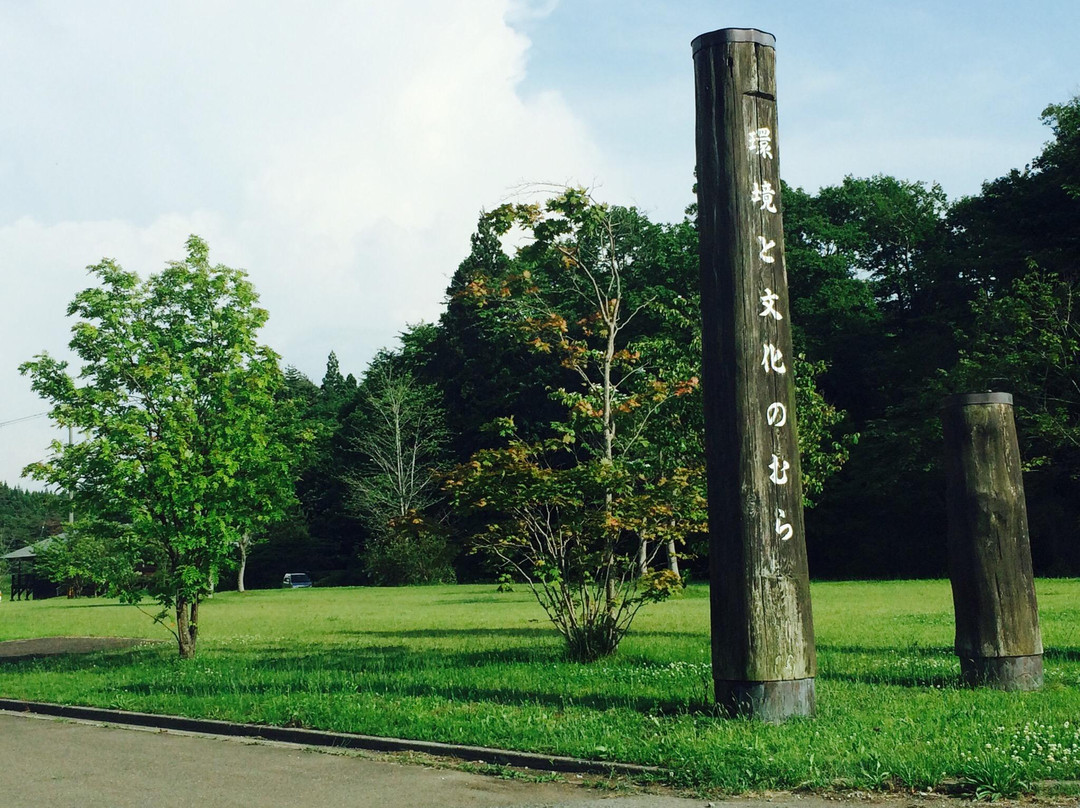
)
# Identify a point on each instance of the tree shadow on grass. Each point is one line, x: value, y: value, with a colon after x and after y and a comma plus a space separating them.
x: 512, y: 675
x: 899, y: 666
x: 536, y: 629
x: 1062, y: 654
x: 410, y: 657
x: 664, y: 634
x: 644, y: 705
x: 515, y: 676
x: 495, y: 598
x: 938, y: 682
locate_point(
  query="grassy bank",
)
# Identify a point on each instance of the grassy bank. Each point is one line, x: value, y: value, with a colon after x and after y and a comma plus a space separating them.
x: 468, y: 665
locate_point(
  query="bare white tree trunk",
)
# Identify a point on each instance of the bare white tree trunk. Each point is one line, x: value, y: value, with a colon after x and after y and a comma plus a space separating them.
x: 244, y: 542
x: 672, y: 557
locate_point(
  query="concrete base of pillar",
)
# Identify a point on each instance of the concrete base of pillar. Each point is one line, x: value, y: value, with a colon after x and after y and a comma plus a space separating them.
x: 771, y: 702
x: 1003, y: 673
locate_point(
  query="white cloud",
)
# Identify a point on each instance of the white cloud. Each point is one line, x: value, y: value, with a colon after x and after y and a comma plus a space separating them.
x: 339, y: 151
x: 42, y: 267
x: 530, y: 10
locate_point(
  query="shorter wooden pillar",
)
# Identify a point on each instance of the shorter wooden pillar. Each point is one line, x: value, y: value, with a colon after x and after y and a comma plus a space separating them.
x: 997, y: 620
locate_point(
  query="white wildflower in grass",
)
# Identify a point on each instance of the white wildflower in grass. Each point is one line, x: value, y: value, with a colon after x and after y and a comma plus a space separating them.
x: 1041, y: 751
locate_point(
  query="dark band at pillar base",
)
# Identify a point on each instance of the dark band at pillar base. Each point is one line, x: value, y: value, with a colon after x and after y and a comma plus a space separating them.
x: 1003, y: 673
x: 773, y: 702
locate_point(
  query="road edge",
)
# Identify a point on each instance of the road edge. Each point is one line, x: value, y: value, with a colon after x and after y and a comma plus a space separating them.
x: 335, y: 740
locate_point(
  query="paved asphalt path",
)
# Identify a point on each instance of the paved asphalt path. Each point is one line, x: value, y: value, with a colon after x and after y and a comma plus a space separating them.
x: 56, y: 763
x: 60, y: 763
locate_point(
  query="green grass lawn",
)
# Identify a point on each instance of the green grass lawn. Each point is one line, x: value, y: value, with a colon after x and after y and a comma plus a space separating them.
x: 464, y: 664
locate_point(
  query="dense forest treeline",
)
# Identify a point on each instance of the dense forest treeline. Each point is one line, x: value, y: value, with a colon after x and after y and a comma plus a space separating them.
x: 28, y: 516
x: 899, y: 298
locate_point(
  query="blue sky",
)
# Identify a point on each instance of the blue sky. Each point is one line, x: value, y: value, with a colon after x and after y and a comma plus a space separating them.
x: 936, y: 91
x: 341, y: 151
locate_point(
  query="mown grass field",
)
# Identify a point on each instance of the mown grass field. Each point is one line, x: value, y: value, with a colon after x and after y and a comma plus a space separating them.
x: 465, y: 664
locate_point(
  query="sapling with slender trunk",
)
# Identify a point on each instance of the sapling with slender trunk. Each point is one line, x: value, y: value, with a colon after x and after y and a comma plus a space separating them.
x: 183, y: 448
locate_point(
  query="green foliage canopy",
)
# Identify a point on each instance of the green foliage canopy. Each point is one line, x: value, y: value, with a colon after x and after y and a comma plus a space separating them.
x: 183, y: 448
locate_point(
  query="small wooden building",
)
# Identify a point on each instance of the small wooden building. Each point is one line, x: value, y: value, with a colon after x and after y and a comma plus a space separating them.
x: 26, y: 580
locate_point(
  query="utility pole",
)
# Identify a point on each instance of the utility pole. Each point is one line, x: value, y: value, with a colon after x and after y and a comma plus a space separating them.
x: 71, y: 494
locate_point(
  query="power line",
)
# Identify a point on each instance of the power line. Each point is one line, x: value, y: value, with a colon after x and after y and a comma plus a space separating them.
x: 24, y: 418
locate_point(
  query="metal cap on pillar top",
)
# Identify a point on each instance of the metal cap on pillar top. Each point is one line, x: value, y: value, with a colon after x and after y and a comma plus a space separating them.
x: 732, y: 35
x: 970, y: 399
x: 762, y: 630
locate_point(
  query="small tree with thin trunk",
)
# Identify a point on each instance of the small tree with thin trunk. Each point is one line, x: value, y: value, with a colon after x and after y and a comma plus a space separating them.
x: 183, y: 448
x: 579, y: 515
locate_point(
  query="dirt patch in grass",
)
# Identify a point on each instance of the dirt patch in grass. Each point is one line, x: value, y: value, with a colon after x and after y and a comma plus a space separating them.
x: 54, y: 646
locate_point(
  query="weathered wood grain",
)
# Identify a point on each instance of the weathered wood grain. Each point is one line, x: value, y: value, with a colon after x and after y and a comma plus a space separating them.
x: 997, y: 621
x: 763, y: 641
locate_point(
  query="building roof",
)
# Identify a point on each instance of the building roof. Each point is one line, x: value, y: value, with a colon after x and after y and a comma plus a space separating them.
x: 30, y: 550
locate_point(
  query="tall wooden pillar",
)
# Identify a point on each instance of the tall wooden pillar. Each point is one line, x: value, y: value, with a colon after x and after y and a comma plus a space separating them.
x: 762, y: 630
x: 997, y: 620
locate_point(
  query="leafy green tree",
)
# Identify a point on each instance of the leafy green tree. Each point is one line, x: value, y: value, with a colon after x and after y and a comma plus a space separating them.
x: 338, y: 391
x: 867, y: 285
x: 1017, y: 244
x: 1027, y: 342
x: 875, y: 298
x: 835, y: 315
x: 1028, y: 218
x: 824, y: 446
x: 1062, y: 155
x: 572, y: 529
x: 962, y: 297
x: 184, y: 448
x: 330, y: 531
x: 479, y: 361
x: 79, y: 562
x: 889, y: 228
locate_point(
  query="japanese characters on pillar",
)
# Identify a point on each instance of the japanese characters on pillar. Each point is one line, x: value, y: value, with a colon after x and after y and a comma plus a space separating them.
x: 764, y: 187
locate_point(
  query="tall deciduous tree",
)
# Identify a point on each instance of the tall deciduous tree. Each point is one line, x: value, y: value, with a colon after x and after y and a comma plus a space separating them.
x: 398, y: 433
x: 1027, y: 342
x: 184, y: 449
x: 1027, y: 219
